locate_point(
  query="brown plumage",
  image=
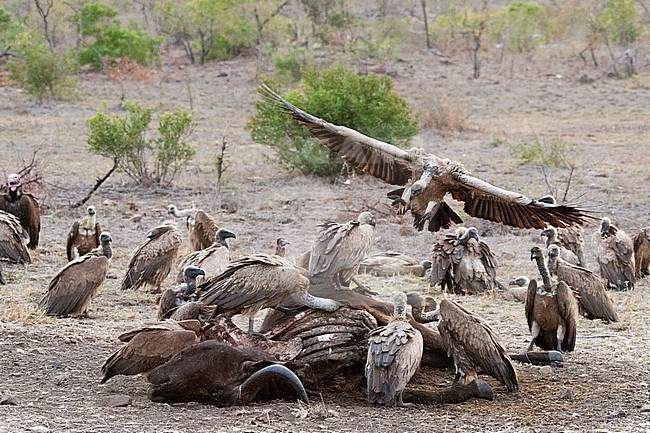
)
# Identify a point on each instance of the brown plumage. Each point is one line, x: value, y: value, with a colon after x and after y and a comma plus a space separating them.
x: 213, y: 259
x: 24, y: 206
x: 589, y: 287
x: 2, y: 278
x: 462, y: 263
x: 203, y: 231
x: 431, y: 178
x: 571, y: 238
x: 394, y: 355
x: 256, y: 282
x: 73, y: 288
x: 172, y: 299
x: 518, y: 288
x: 474, y: 346
x: 339, y: 249
x: 552, y: 238
x: 84, y: 235
x: 551, y: 310
x: 391, y: 263
x: 152, y: 261
x: 615, y: 254
x: 11, y: 239
x: 641, y: 243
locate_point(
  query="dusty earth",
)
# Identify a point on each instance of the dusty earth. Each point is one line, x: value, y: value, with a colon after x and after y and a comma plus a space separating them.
x: 50, y: 368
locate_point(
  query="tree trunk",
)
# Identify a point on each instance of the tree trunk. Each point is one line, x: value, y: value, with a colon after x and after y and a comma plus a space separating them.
x: 426, y: 23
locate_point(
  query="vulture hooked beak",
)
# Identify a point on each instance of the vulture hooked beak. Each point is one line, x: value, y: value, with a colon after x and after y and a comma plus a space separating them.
x: 91, y: 210
x: 13, y: 181
x: 223, y: 234
x: 250, y: 389
x: 535, y: 252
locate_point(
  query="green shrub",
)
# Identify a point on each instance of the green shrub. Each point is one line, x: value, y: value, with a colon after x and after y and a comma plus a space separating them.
x: 621, y: 21
x: 524, y: 23
x: 148, y: 161
x: 367, y: 104
x: 552, y: 153
x: 289, y: 68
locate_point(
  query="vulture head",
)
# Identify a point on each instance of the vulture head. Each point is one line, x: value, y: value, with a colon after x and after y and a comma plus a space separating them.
x: 470, y: 233
x: 172, y: 209
x: 548, y: 199
x: 605, y: 224
x: 105, y: 240
x: 191, y: 272
x: 91, y: 210
x: 417, y: 188
x: 550, y: 233
x: 13, y: 182
x: 536, y: 253
x: 522, y: 281
x: 281, y: 246
x: 366, y: 218
x: 399, y: 302
x: 222, y: 235
x: 426, y: 264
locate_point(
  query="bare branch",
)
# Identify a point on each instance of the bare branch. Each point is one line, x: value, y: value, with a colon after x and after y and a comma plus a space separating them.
x: 99, y: 183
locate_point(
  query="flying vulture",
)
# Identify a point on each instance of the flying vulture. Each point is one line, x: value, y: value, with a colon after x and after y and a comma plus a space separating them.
x: 427, y: 179
x: 391, y: 263
x: 566, y: 254
x: 213, y: 259
x: 11, y: 239
x: 339, y: 249
x: 73, y: 288
x: 463, y: 263
x: 615, y: 254
x: 84, y: 235
x: 24, y: 206
x: 152, y: 261
x: 571, y: 237
x: 590, y: 288
x: 172, y: 299
x: 259, y: 281
x: 642, y: 252
x: 551, y: 310
x: 394, y: 355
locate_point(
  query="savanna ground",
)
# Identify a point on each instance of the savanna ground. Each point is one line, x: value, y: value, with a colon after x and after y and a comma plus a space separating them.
x: 50, y: 367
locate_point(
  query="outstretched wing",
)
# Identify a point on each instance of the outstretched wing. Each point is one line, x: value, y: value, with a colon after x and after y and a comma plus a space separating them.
x: 379, y: 159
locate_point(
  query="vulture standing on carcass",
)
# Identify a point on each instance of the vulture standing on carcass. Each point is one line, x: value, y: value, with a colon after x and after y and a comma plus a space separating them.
x: 430, y: 179
x: 590, y: 288
x: 24, y: 206
x: 213, y: 259
x: 11, y: 239
x: 615, y: 254
x: 474, y: 346
x: 73, y: 288
x: 256, y: 282
x: 463, y: 263
x: 281, y: 247
x: 152, y: 261
x: 391, y: 263
x: 394, y: 355
x: 551, y: 310
x: 339, y: 249
x: 84, y: 235
x: 641, y: 243
x: 171, y: 299
x: 567, y: 255
x: 570, y: 237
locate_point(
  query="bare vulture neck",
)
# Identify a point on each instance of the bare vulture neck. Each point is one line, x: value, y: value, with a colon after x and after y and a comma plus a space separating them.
x: 107, y: 250
x: 16, y: 194
x: 543, y: 271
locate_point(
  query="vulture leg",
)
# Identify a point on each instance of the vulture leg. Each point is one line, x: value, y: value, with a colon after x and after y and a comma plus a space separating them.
x: 362, y: 288
x: 560, y: 337
x: 251, y: 325
x: 429, y: 213
x: 534, y: 332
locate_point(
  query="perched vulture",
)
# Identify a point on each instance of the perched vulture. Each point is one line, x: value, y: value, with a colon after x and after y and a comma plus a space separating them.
x: 391, y: 263
x: 551, y: 310
x: 281, y: 247
x: 172, y: 299
x: 213, y: 259
x: 430, y: 179
x: 571, y: 237
x: 339, y: 249
x: 73, y: 288
x: 589, y: 287
x: 256, y: 282
x: 642, y: 252
x: 615, y: 254
x: 463, y: 263
x: 11, y: 239
x: 567, y: 255
x: 24, y: 206
x: 84, y: 235
x: 394, y: 355
x: 518, y: 288
x: 152, y: 261
x: 474, y: 346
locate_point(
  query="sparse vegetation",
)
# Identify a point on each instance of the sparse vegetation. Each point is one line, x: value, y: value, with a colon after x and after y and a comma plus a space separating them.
x: 552, y: 152
x: 448, y: 115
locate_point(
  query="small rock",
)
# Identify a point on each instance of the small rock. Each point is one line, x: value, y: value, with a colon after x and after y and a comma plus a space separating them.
x: 645, y: 407
x: 108, y: 202
x: 617, y: 413
x: 136, y: 218
x: 117, y: 400
x: 8, y: 400
x: 566, y: 394
x: 546, y: 370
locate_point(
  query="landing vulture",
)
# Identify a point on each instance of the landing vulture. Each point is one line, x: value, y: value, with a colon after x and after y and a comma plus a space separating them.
x: 391, y: 263
x: 84, y: 235
x: 551, y: 310
x: 172, y: 299
x: 11, y: 239
x: 571, y: 237
x: 339, y: 249
x: 615, y: 254
x: 394, y: 355
x: 589, y: 287
x: 152, y: 261
x: 428, y: 178
x: 73, y: 288
x: 462, y: 263
x: 642, y: 252
x: 24, y: 206
x: 474, y: 346
x: 259, y: 281
x: 213, y: 259
x: 566, y: 254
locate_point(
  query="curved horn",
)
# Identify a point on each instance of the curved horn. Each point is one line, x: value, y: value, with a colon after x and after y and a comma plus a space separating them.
x: 249, y: 389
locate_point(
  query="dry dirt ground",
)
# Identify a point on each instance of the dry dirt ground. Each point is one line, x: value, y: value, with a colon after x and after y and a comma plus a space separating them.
x: 51, y: 367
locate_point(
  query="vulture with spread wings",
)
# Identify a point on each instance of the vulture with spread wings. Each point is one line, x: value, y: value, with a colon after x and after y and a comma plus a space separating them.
x: 427, y: 179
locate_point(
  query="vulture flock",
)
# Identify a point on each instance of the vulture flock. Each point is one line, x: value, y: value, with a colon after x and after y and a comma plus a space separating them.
x: 321, y: 311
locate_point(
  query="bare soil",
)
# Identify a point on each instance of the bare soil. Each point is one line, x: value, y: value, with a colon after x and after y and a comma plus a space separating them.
x: 50, y: 367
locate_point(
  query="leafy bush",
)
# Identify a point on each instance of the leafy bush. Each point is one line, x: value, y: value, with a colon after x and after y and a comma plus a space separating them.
x: 148, y: 161
x: 553, y: 153
x: 289, y: 68
x: 620, y: 21
x: 367, y: 104
x: 9, y: 28
x: 39, y: 71
x: 524, y: 25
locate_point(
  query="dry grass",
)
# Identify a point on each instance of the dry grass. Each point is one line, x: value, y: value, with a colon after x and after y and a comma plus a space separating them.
x: 444, y: 114
x: 15, y: 306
